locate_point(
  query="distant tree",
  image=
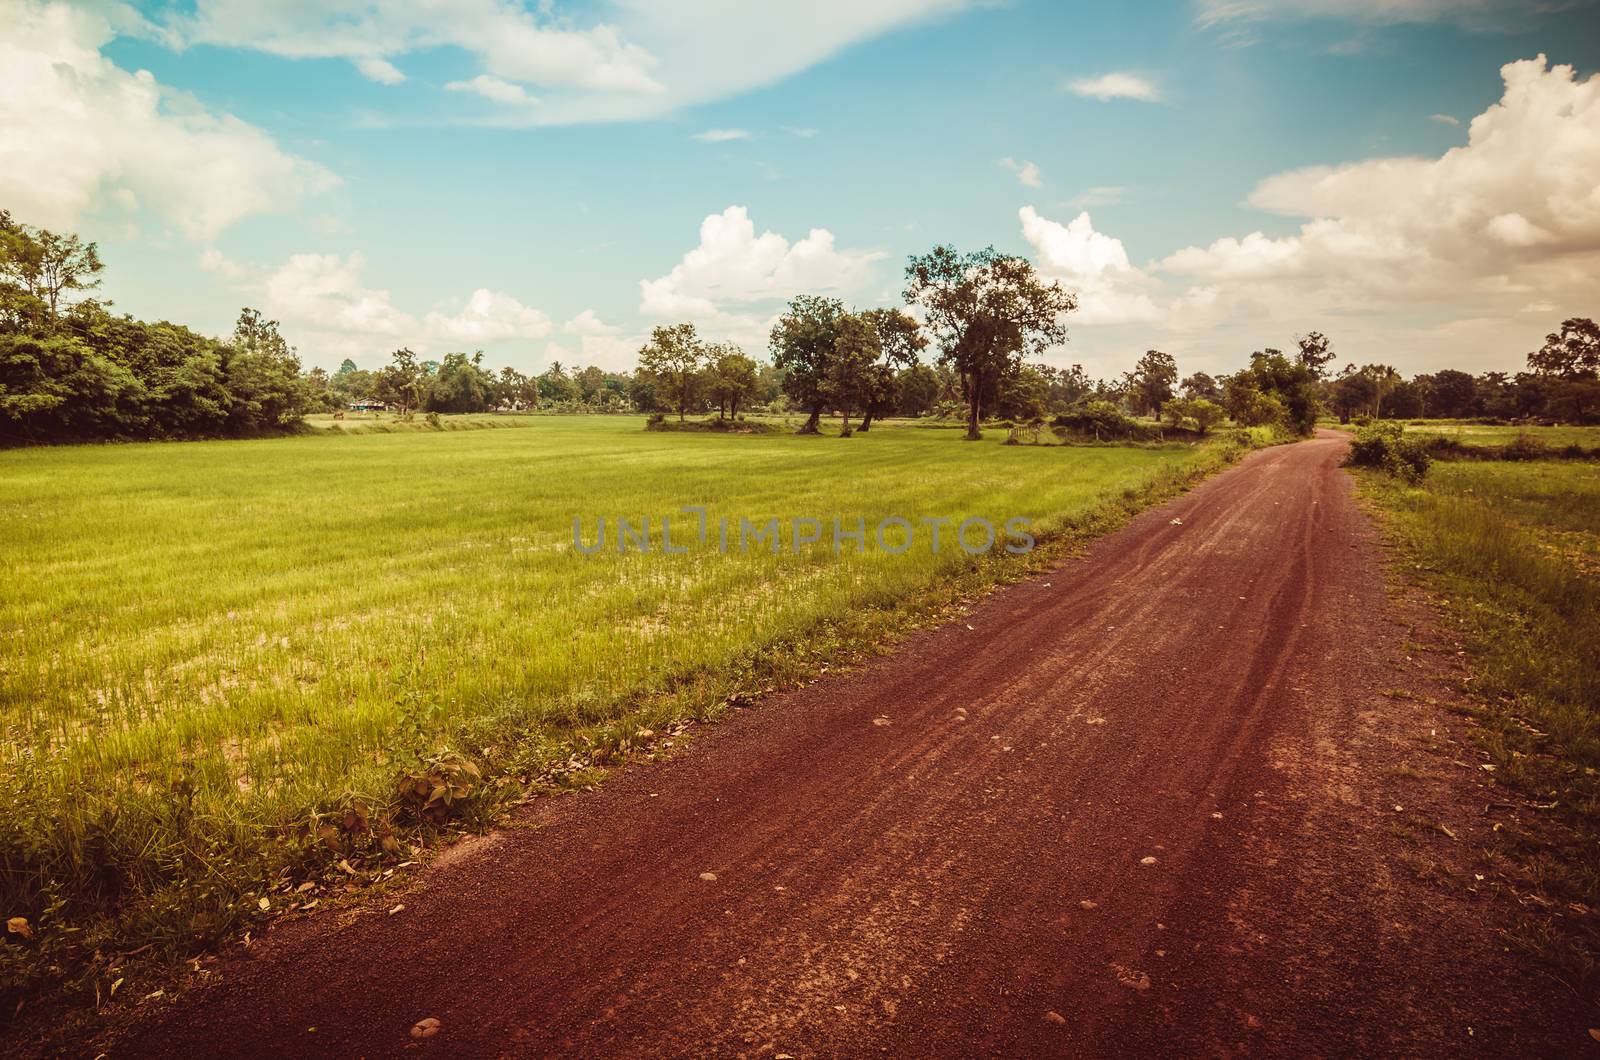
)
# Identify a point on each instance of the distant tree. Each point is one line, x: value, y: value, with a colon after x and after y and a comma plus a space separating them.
x: 1248, y: 403
x: 460, y: 385
x: 1069, y: 386
x: 262, y: 373
x: 346, y: 366
x: 1570, y: 360
x: 1152, y: 381
x: 676, y: 357
x: 918, y: 389
x: 1198, y: 411
x: 1451, y: 394
x: 732, y: 379
x: 986, y: 311
x: 802, y: 344
x: 40, y: 273
x: 1201, y: 387
x: 851, y: 379
x: 1316, y: 352
x: 900, y: 342
x: 1571, y: 353
x: 400, y: 382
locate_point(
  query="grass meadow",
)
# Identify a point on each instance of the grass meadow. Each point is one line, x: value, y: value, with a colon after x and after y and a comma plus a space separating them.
x: 227, y: 667
x: 1513, y: 549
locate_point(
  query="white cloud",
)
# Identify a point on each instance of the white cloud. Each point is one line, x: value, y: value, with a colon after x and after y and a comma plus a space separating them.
x: 380, y: 70
x: 588, y: 322
x: 1028, y: 174
x: 732, y: 268
x: 328, y: 310
x: 720, y: 136
x: 1110, y: 290
x: 490, y: 87
x: 1477, y: 14
x: 1517, y: 207
x: 803, y: 132
x: 647, y: 58
x: 82, y: 135
x: 508, y: 41
x: 487, y: 318
x: 1444, y: 119
x: 1115, y: 86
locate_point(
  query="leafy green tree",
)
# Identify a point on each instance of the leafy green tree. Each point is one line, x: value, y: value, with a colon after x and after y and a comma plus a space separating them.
x: 42, y: 273
x: 262, y: 373
x: 901, y: 343
x: 1316, y: 353
x: 732, y: 379
x: 401, y: 382
x: 1570, y: 359
x: 460, y: 385
x: 918, y: 390
x: 1201, y: 387
x: 802, y: 344
x: 986, y: 311
x: 851, y: 380
x: 1152, y: 381
x: 676, y: 357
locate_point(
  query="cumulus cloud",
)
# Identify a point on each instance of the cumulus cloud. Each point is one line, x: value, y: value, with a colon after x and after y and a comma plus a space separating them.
x: 600, y: 345
x: 1516, y: 209
x: 721, y: 136
x: 732, y: 268
x: 83, y: 135
x: 1110, y: 289
x: 1115, y: 86
x: 380, y: 70
x: 330, y: 311
x: 1028, y: 174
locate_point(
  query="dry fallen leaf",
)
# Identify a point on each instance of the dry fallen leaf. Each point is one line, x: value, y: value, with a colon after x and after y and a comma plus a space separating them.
x: 880, y: 722
x: 425, y: 1028
x: 264, y: 904
x: 1055, y: 1017
x: 1089, y: 904
x: 397, y: 909
x: 1147, y: 861
x: 18, y: 925
x: 709, y: 877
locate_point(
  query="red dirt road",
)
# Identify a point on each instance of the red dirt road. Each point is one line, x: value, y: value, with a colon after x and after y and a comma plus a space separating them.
x: 1146, y: 803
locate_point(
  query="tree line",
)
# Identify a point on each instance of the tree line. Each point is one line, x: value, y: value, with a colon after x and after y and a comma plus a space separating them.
x: 72, y: 370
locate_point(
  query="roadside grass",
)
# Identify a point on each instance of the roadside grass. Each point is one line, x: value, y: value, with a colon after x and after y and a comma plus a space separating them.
x: 1479, y: 434
x: 1513, y: 550
x: 238, y: 676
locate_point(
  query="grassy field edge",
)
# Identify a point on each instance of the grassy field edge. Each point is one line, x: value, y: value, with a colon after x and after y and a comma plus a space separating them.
x: 1529, y: 622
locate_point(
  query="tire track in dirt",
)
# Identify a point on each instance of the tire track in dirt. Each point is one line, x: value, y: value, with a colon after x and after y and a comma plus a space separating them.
x: 1204, y: 688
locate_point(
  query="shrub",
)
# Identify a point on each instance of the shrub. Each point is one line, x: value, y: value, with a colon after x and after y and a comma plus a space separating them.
x: 1385, y: 446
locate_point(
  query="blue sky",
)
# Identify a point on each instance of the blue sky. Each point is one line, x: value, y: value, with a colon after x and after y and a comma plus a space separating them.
x: 477, y: 173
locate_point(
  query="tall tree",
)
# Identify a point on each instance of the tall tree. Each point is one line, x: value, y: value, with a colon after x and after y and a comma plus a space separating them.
x: 851, y: 378
x: 400, y: 382
x: 732, y: 379
x: 41, y: 272
x: 1316, y: 352
x: 676, y: 357
x: 986, y: 312
x: 802, y: 343
x: 900, y: 342
x: 1153, y: 379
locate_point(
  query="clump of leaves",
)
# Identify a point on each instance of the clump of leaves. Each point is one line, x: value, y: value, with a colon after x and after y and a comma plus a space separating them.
x: 355, y: 830
x: 442, y: 789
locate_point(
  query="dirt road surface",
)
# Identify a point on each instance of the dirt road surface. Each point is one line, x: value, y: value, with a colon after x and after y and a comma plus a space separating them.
x: 1169, y: 798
